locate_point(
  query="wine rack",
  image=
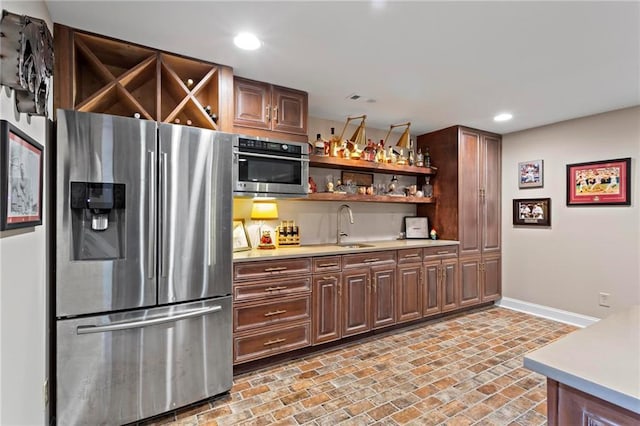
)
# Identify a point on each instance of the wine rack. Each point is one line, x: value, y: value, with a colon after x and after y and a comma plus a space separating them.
x: 98, y: 74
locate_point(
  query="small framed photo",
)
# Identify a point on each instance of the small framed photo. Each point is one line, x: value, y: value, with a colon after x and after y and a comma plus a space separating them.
x: 21, y: 163
x: 532, y: 212
x: 240, y: 237
x: 416, y: 227
x: 599, y: 183
x: 530, y: 174
x: 358, y: 179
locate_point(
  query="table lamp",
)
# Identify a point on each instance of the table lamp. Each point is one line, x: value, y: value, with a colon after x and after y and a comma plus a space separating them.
x: 264, y: 210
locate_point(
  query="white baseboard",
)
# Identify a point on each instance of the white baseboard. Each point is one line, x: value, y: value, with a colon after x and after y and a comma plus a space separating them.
x: 559, y: 315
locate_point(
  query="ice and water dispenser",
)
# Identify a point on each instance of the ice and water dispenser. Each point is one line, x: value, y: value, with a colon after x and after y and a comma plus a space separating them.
x: 98, y: 220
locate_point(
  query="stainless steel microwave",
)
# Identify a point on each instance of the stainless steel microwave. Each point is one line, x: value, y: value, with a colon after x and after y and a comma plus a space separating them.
x: 264, y: 167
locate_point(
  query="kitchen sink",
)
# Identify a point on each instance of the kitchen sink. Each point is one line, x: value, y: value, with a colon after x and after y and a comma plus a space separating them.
x: 354, y: 245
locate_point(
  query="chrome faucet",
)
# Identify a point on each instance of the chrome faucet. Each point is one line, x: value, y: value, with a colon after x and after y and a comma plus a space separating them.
x: 339, y: 232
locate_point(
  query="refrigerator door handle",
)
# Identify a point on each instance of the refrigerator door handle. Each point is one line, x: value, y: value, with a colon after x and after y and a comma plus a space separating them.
x: 163, y: 213
x: 88, y: 329
x: 151, y: 180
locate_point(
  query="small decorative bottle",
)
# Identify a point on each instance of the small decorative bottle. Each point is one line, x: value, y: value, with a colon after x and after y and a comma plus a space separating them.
x: 319, y: 145
x: 419, y: 158
x: 427, y: 188
x: 427, y: 158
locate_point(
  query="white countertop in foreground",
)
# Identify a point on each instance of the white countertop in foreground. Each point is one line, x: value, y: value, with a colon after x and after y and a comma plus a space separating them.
x: 332, y: 249
x: 602, y: 360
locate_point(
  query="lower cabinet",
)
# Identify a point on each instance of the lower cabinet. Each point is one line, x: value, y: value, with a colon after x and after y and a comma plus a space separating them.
x: 570, y: 406
x: 480, y: 279
x: 288, y: 304
x: 356, y: 300
x: 409, y: 283
x: 271, y: 308
x: 368, y: 291
x: 442, y: 283
x: 327, y: 307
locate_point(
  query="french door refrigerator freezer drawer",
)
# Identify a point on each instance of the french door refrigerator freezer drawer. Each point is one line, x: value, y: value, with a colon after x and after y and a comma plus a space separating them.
x: 124, y: 367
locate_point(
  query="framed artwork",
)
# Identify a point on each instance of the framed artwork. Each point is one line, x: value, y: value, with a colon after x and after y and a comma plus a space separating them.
x: 532, y: 212
x: 358, y: 179
x: 240, y: 237
x: 530, y: 174
x: 599, y: 183
x: 416, y: 227
x: 21, y: 163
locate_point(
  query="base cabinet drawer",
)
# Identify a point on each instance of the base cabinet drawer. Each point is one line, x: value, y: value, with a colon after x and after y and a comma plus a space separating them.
x: 261, y: 314
x: 267, y: 343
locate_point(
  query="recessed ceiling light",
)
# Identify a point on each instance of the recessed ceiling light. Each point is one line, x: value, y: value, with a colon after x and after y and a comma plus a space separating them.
x: 247, y: 41
x: 503, y: 117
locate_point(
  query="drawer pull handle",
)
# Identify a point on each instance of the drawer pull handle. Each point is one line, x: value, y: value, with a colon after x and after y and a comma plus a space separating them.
x: 278, y: 312
x: 443, y: 252
x: 273, y: 342
x: 327, y: 265
x: 329, y: 279
x: 371, y: 259
x: 280, y: 287
x: 275, y: 269
x: 412, y: 255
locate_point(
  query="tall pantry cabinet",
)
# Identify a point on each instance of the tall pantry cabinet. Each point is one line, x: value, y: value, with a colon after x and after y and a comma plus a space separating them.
x: 468, y: 205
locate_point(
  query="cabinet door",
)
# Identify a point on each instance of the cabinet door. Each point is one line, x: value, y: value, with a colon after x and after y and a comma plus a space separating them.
x: 252, y: 103
x: 289, y: 110
x: 469, y: 281
x: 490, y: 199
x: 432, y: 292
x: 356, y: 301
x: 491, y: 282
x: 450, y: 284
x: 409, y: 293
x: 469, y: 195
x: 383, y: 280
x: 326, y: 308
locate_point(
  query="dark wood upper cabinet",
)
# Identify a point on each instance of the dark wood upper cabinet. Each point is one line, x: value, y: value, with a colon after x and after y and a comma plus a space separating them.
x: 99, y: 74
x: 261, y: 107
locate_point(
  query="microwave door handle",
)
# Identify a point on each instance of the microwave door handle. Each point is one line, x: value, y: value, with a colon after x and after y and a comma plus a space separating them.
x: 88, y: 329
x: 151, y: 185
x: 275, y: 157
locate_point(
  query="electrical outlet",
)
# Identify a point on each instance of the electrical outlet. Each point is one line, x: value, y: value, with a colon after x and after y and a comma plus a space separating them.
x: 604, y: 300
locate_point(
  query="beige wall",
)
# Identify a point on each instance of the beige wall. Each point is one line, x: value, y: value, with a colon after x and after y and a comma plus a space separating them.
x: 587, y: 250
x: 23, y: 283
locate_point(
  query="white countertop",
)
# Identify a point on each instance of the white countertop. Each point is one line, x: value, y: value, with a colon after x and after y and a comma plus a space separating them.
x: 602, y: 360
x: 332, y: 249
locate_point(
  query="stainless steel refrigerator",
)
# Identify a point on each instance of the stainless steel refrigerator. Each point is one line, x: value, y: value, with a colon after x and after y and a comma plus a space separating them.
x: 142, y: 269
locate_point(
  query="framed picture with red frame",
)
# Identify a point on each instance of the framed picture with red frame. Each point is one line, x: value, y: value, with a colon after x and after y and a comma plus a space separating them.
x: 21, y: 163
x: 599, y: 183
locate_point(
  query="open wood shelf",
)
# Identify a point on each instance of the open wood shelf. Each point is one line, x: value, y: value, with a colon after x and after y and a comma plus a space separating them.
x: 341, y: 163
x: 332, y: 196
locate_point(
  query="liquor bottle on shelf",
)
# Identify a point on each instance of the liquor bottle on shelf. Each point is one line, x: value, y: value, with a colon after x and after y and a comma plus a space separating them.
x: 427, y: 188
x: 427, y: 158
x: 319, y: 145
x: 419, y: 158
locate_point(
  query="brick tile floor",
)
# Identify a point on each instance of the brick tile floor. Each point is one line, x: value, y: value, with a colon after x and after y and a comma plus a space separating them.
x: 462, y: 370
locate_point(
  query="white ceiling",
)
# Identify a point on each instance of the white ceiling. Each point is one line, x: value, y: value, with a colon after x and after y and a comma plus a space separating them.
x: 433, y: 63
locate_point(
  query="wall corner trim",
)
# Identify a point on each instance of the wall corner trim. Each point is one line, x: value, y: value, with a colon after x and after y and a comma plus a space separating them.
x: 548, y: 312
